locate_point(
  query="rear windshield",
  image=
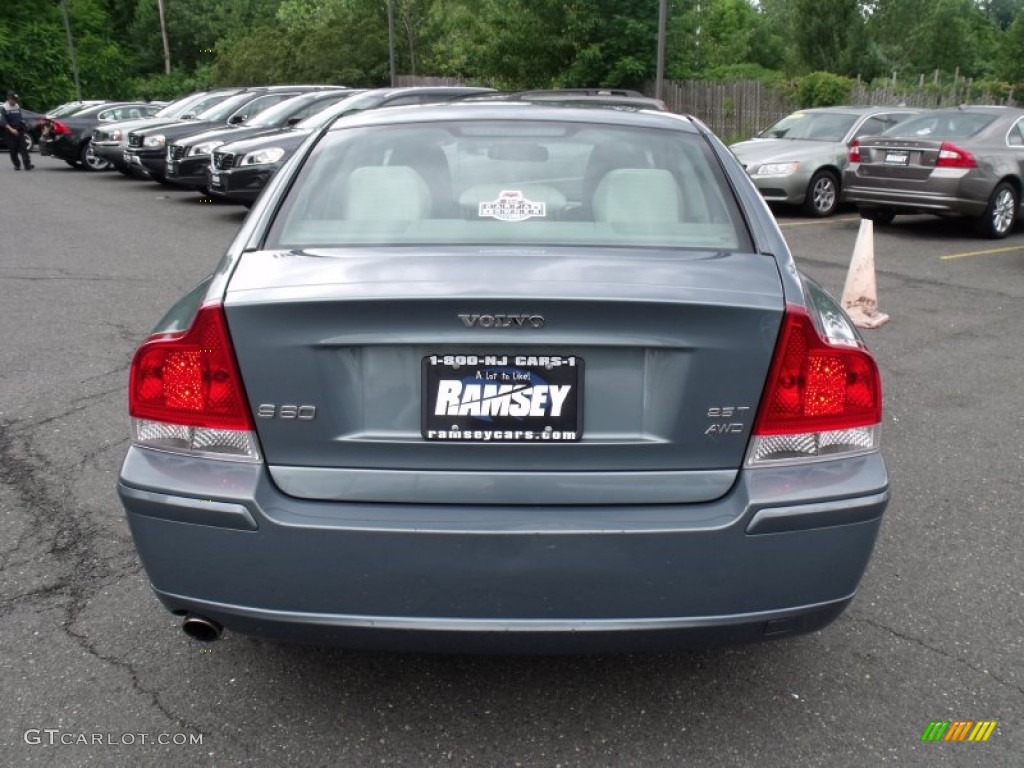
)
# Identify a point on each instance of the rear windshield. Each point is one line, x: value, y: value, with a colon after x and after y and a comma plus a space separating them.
x: 510, y: 182
x: 942, y: 125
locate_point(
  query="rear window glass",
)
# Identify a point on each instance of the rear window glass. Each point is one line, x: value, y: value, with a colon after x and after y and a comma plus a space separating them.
x: 510, y: 182
x: 942, y: 125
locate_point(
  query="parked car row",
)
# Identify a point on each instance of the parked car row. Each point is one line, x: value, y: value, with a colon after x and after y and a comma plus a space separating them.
x: 962, y: 162
x: 229, y: 142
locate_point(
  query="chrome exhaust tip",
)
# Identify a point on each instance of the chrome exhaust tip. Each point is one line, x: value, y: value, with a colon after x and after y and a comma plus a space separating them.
x: 201, y: 628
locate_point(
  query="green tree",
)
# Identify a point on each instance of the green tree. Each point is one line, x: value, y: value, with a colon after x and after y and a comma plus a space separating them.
x: 826, y: 33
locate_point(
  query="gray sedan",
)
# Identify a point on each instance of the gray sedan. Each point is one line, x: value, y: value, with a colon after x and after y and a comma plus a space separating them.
x: 800, y: 159
x: 966, y: 162
x: 506, y: 377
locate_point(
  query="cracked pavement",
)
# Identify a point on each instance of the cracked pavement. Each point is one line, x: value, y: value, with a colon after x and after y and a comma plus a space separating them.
x: 90, y: 261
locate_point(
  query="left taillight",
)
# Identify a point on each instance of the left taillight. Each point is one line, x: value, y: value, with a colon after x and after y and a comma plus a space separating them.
x: 185, y: 392
x: 823, y: 399
x: 853, y: 151
x: 58, y: 128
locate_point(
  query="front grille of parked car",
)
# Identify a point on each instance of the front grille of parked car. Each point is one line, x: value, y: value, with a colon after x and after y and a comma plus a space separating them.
x: 176, y: 152
x: 223, y: 160
x: 134, y: 141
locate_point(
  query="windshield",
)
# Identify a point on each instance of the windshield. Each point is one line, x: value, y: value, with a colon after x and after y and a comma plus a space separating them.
x: 356, y: 101
x: 179, y: 107
x: 816, y: 126
x: 223, y: 108
x: 942, y: 125
x: 510, y: 182
x: 299, y: 106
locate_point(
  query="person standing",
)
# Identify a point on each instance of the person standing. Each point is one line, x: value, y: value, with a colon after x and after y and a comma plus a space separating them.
x: 13, y: 123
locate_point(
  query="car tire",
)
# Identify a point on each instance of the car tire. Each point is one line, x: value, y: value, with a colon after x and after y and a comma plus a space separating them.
x: 90, y: 161
x: 1000, y: 213
x: 822, y: 195
x: 880, y: 216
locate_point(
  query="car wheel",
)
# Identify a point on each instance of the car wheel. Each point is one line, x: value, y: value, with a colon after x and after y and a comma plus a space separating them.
x: 822, y: 194
x: 880, y: 216
x: 1001, y: 213
x: 90, y: 161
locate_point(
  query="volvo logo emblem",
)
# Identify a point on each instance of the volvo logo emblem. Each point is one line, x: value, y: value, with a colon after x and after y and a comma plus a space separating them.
x: 502, y: 321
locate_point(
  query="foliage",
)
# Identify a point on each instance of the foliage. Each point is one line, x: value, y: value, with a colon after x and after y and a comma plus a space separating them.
x: 823, y: 89
x: 169, y: 87
x: 505, y: 43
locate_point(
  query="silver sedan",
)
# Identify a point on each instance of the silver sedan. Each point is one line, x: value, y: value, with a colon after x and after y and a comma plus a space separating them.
x: 966, y: 162
x: 800, y: 159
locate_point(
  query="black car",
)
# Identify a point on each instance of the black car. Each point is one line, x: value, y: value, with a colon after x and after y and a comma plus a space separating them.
x: 148, y: 148
x: 241, y: 169
x: 70, y: 138
x: 188, y: 159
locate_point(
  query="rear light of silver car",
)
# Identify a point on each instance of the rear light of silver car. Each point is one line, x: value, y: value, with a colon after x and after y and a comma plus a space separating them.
x: 952, y: 156
x: 185, y: 393
x: 853, y: 152
x: 823, y: 398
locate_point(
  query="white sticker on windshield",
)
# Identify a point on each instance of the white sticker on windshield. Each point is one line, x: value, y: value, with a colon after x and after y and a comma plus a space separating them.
x: 512, y: 206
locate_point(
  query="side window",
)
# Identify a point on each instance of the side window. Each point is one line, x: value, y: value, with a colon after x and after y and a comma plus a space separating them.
x: 1015, y: 138
x: 872, y: 126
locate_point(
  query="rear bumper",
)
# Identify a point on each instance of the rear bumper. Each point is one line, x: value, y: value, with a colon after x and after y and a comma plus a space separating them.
x: 763, y: 561
x: 953, y: 195
x: 60, y: 147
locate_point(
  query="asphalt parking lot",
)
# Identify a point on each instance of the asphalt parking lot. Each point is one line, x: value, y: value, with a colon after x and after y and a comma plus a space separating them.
x: 94, y: 672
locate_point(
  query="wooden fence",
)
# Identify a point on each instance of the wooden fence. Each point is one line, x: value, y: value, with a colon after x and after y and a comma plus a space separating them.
x: 739, y: 109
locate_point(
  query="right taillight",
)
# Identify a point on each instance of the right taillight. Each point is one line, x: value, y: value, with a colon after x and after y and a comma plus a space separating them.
x: 58, y: 128
x: 952, y: 156
x: 821, y: 400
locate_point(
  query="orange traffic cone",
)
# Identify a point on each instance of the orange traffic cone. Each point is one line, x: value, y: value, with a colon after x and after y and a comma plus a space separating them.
x: 860, y: 297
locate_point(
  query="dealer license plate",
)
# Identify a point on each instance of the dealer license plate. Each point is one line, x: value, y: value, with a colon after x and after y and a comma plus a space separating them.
x: 502, y: 398
x: 897, y: 158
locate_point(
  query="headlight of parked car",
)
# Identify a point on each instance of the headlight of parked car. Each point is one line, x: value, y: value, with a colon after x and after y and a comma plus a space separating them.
x: 263, y: 156
x: 156, y: 140
x: 206, y: 148
x: 115, y: 135
x: 777, y: 169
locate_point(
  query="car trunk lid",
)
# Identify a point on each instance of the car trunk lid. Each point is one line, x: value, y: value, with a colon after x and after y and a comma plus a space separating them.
x: 655, y: 361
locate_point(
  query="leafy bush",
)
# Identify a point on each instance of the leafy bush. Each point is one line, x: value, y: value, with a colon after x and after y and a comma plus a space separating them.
x: 732, y: 72
x: 169, y: 87
x: 823, y: 89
